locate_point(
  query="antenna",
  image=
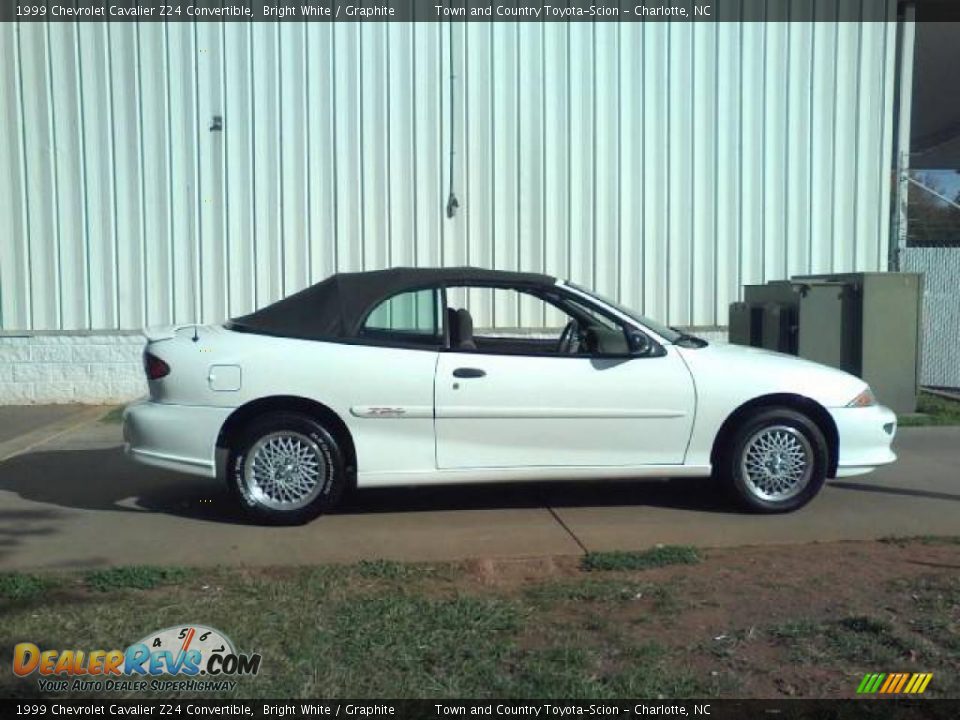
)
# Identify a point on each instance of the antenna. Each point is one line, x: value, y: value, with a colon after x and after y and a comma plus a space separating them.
x: 193, y: 285
x: 452, y: 202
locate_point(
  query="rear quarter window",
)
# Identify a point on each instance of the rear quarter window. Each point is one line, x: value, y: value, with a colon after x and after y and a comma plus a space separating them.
x: 409, y: 318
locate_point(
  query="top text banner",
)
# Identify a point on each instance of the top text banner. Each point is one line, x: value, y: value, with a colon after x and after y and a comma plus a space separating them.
x: 464, y: 10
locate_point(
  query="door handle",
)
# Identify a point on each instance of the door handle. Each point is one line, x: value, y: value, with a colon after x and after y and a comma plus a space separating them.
x: 468, y: 373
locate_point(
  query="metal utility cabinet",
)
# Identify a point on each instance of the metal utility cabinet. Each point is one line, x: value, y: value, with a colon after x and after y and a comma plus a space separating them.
x: 767, y: 317
x: 829, y: 329
x: 865, y: 323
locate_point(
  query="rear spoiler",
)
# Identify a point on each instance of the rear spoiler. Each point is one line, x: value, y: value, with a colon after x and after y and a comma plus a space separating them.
x: 164, y: 332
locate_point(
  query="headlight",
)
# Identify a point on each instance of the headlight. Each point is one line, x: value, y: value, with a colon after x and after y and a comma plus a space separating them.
x: 864, y: 399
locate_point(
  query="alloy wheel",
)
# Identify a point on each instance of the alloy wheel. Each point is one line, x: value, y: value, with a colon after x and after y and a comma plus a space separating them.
x: 284, y: 471
x: 777, y: 463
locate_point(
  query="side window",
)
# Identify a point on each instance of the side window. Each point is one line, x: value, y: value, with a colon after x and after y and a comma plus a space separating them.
x: 602, y: 334
x: 509, y: 321
x: 409, y: 318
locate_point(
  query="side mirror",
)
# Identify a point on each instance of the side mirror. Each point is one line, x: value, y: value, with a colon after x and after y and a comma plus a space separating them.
x: 638, y: 343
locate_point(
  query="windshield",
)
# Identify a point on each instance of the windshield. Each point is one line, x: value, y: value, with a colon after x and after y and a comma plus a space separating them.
x: 663, y: 331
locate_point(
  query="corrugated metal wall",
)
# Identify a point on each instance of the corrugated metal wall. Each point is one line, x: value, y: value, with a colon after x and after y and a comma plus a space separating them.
x: 665, y: 164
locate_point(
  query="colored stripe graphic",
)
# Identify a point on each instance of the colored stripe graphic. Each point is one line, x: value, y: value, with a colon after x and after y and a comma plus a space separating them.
x: 870, y: 682
x: 894, y: 683
x: 918, y: 683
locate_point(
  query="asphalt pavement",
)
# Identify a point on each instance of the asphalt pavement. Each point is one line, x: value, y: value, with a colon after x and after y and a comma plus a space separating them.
x: 69, y: 498
x: 17, y: 422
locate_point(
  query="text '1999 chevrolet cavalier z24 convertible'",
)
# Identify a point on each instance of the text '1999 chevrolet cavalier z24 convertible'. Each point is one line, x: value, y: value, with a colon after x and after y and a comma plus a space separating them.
x: 382, y: 379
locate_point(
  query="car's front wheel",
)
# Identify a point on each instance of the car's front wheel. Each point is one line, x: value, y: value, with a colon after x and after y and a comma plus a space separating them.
x: 286, y: 469
x: 776, y: 461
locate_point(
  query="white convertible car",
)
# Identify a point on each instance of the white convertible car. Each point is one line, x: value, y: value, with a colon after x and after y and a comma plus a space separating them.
x: 380, y: 379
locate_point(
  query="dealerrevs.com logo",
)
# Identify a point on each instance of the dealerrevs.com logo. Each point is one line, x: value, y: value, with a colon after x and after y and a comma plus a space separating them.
x: 205, y: 657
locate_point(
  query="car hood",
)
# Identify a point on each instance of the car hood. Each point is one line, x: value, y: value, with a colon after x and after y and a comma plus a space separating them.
x: 757, y: 372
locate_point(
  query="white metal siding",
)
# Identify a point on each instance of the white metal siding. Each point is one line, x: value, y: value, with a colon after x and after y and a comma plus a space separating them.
x: 666, y: 164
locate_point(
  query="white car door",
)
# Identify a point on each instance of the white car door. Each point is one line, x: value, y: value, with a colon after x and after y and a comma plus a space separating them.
x: 507, y: 410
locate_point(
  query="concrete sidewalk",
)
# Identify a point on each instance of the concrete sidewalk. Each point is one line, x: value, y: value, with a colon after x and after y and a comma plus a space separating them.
x: 73, y: 500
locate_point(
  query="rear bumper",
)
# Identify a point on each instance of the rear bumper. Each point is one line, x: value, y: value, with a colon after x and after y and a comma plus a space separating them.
x: 866, y: 435
x: 175, y: 437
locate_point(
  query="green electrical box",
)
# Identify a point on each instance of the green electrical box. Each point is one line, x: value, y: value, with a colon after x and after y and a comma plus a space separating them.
x: 767, y: 317
x: 865, y: 323
x: 829, y: 327
x: 741, y: 325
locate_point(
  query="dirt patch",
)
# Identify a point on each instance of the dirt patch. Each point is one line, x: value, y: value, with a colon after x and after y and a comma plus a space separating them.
x: 759, y: 621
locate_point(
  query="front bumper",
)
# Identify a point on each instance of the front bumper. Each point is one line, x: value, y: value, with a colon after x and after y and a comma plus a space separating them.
x: 866, y: 435
x: 175, y: 437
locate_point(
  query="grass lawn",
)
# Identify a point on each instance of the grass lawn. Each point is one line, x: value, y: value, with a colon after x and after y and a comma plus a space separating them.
x: 114, y: 416
x: 933, y: 410
x: 786, y: 621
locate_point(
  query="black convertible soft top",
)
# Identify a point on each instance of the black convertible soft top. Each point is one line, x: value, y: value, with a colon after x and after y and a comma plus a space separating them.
x: 336, y: 307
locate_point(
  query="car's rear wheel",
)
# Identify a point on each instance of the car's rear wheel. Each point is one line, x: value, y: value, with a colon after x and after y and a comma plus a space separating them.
x: 775, y: 462
x: 286, y: 469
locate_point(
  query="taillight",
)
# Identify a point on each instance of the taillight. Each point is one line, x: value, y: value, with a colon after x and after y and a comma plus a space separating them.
x: 154, y: 366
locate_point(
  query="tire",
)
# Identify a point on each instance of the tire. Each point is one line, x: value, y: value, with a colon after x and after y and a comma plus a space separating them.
x: 286, y: 469
x: 775, y: 462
